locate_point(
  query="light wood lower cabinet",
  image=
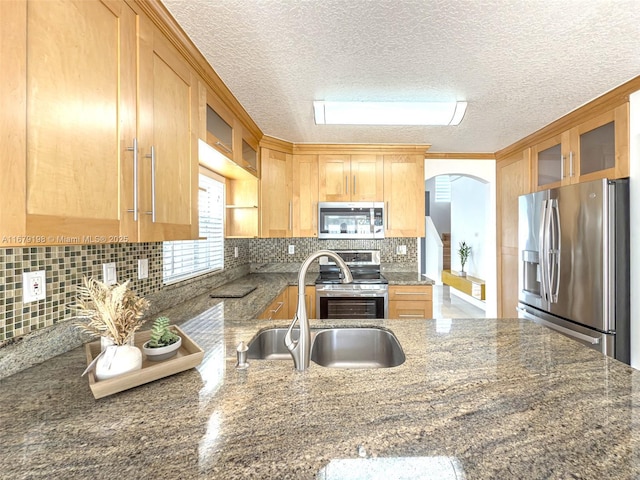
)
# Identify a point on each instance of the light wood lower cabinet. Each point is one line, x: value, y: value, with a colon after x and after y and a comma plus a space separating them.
x: 279, y: 307
x: 284, y: 306
x: 310, y: 296
x: 410, y: 301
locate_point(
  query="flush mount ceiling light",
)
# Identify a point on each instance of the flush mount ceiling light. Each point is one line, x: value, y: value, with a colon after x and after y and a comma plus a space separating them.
x: 389, y: 113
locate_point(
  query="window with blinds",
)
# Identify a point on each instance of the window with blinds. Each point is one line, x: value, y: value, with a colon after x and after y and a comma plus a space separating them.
x: 443, y: 189
x: 189, y: 258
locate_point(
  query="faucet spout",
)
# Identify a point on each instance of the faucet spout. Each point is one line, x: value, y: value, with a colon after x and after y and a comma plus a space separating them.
x: 301, y: 349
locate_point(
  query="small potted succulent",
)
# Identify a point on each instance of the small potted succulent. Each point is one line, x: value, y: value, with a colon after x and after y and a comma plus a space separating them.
x: 163, y: 343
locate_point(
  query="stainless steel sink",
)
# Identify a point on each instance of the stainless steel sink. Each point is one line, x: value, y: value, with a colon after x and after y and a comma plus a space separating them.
x: 356, y: 348
x: 368, y: 347
x: 269, y: 345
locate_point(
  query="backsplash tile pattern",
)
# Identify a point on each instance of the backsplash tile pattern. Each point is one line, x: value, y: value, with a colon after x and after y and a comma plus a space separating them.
x: 66, y: 265
x: 275, y: 250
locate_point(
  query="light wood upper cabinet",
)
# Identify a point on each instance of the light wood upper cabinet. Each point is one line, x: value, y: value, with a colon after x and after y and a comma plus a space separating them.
x: 75, y: 112
x: 276, y: 205
x: 65, y: 117
x: 305, y: 196
x: 597, y: 148
x: 350, y: 178
x: 288, y: 195
x: 167, y: 119
x: 404, y: 195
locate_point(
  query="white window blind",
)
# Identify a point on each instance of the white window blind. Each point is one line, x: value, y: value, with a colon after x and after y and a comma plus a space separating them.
x: 188, y: 258
x: 443, y: 189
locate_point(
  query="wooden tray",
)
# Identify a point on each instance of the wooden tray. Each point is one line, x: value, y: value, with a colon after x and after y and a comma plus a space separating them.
x: 188, y: 356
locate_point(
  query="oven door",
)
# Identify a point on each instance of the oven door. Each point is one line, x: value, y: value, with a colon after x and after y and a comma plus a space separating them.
x: 343, y: 303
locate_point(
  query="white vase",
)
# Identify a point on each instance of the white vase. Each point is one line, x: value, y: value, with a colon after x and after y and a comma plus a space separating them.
x: 118, y: 360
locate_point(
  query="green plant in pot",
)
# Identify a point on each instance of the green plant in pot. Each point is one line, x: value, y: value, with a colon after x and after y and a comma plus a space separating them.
x: 464, y: 251
x: 163, y: 343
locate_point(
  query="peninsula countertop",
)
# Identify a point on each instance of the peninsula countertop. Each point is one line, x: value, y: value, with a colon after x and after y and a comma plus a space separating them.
x: 475, y: 399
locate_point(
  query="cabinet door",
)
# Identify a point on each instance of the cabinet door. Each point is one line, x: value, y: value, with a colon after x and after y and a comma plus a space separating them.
x: 334, y: 178
x: 601, y: 146
x: 70, y: 59
x: 512, y: 180
x: 305, y: 196
x: 276, y: 207
x: 551, y: 162
x: 310, y: 300
x: 168, y: 134
x: 404, y: 195
x: 367, y: 183
x: 410, y: 309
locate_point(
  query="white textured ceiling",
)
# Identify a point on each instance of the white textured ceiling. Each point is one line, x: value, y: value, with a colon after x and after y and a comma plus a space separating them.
x: 519, y: 63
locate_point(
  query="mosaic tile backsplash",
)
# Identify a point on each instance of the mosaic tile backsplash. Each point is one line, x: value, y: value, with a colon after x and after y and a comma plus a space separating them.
x: 65, y: 266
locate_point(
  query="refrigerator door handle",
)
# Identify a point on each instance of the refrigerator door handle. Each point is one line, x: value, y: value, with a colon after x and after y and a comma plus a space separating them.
x: 554, y: 250
x: 544, y: 265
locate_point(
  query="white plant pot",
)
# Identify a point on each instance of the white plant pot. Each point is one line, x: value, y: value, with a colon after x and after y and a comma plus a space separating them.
x: 118, y: 360
x: 161, y: 353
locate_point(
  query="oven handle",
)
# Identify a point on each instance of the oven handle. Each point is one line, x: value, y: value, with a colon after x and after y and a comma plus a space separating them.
x: 351, y: 294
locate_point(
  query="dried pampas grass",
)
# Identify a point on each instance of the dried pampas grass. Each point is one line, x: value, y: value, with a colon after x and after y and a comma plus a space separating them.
x: 111, y: 311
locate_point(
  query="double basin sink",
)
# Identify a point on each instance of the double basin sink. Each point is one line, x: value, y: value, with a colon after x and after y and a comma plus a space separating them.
x: 341, y: 347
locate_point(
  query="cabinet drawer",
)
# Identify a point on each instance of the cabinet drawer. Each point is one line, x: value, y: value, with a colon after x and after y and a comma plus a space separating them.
x: 410, y: 293
x: 410, y: 309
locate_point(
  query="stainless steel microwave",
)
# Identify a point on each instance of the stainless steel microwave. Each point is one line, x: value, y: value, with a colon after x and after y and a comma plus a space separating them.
x: 351, y: 220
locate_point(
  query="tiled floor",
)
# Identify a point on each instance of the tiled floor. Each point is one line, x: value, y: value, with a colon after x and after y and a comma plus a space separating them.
x: 446, y: 305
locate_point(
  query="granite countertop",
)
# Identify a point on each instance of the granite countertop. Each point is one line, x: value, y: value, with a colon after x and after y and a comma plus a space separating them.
x: 475, y: 399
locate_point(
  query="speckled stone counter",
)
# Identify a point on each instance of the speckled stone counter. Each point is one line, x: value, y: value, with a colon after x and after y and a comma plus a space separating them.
x: 475, y: 399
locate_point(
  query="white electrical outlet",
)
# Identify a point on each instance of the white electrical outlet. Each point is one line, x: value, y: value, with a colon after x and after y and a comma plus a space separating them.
x: 143, y: 268
x: 401, y: 250
x: 109, y: 274
x: 235, y: 252
x: 34, y: 286
x: 292, y: 249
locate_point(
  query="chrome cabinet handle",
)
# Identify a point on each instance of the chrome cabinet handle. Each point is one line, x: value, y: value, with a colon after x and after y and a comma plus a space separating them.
x: 152, y: 156
x: 571, y: 164
x: 290, y: 215
x: 280, y: 304
x: 561, y: 167
x: 346, y: 182
x: 410, y: 293
x: 134, y: 149
x: 408, y: 315
x: 224, y: 147
x: 354, y: 184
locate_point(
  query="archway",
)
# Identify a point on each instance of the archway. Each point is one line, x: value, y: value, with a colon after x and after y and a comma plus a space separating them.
x: 473, y: 210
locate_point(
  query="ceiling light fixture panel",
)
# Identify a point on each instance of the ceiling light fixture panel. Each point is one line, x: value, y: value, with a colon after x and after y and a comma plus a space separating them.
x: 389, y: 113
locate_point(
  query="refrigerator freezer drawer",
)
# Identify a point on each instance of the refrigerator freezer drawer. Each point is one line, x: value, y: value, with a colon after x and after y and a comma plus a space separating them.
x: 602, y: 342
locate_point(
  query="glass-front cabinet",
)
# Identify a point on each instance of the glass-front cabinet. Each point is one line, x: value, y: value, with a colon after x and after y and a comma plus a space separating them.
x: 596, y: 148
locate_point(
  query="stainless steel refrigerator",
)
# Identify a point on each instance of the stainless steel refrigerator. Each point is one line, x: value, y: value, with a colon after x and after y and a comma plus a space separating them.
x: 574, y: 263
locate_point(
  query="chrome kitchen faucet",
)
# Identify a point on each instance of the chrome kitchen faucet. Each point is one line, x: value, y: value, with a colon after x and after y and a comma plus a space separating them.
x: 301, y: 349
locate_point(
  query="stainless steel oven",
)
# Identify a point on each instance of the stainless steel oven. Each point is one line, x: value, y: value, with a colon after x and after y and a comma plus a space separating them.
x: 366, y: 297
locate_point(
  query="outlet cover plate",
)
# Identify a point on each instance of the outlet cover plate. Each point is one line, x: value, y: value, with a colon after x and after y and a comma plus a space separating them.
x: 34, y: 286
x: 292, y: 249
x: 143, y: 268
x: 109, y: 274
